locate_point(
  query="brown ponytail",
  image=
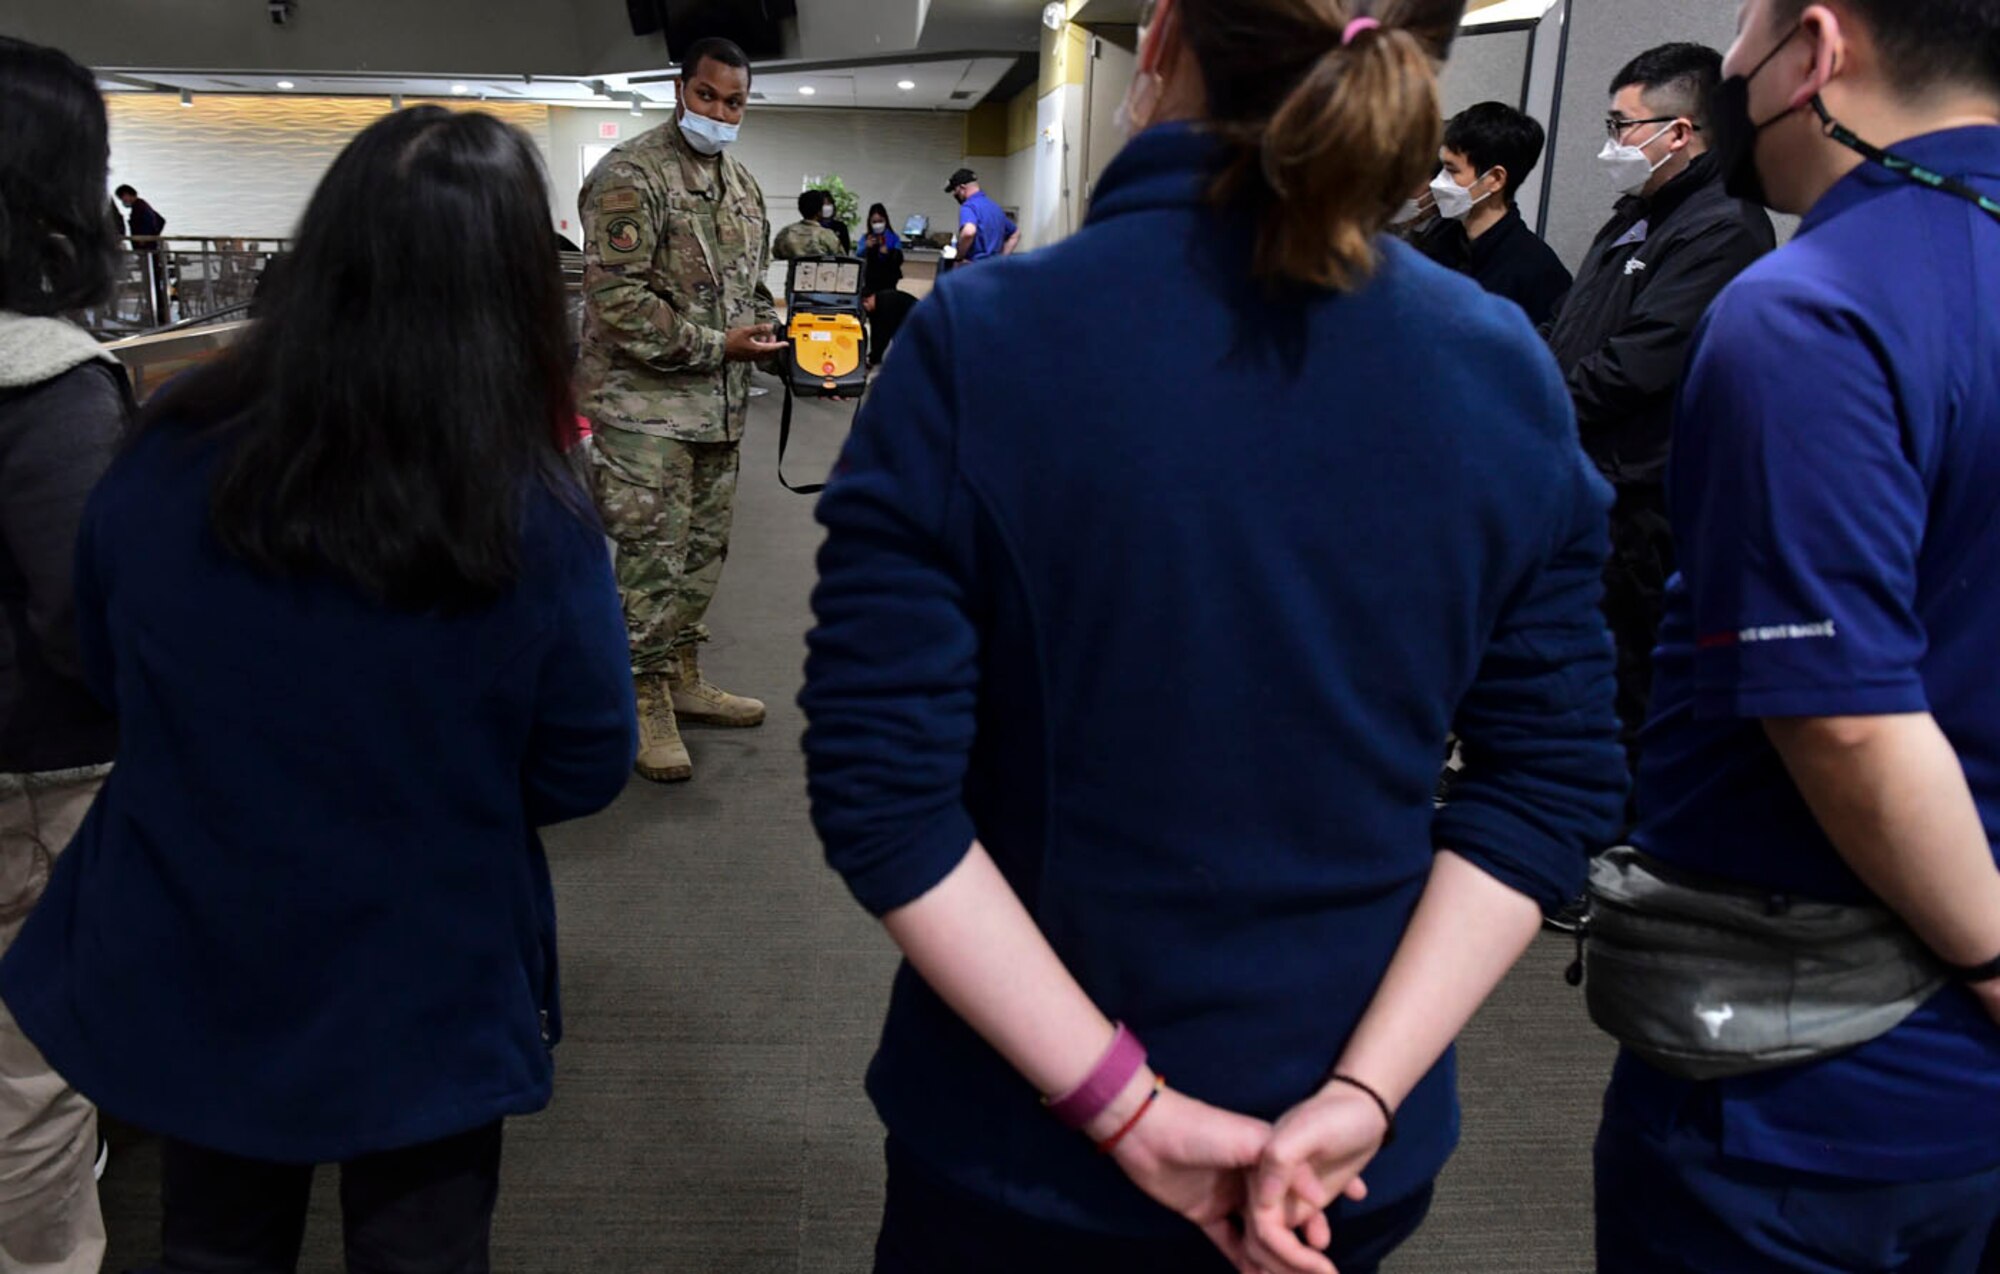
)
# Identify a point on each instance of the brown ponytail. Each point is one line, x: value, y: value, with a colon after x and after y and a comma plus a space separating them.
x: 1330, y: 135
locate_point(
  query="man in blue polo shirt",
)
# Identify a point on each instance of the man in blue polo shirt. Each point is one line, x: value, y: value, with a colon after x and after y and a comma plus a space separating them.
x: 983, y: 229
x: 1826, y: 720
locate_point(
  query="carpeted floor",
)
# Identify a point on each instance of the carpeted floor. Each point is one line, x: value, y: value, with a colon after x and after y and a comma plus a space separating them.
x: 723, y: 995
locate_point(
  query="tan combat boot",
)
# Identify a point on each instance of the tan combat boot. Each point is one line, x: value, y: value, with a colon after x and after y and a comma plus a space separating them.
x: 698, y: 701
x: 663, y: 758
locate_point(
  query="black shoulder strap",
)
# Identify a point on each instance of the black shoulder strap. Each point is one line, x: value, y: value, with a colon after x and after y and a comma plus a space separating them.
x: 784, y: 441
x: 1908, y: 169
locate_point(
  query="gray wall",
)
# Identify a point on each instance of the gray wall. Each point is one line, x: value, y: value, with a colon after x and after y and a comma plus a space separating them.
x: 900, y: 158
x: 1604, y: 36
x: 1484, y: 68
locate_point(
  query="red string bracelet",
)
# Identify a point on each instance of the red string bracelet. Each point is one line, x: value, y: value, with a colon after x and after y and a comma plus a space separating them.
x: 1110, y: 1143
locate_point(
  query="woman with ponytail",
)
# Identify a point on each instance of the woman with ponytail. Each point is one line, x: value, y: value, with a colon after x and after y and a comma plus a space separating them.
x: 1159, y: 565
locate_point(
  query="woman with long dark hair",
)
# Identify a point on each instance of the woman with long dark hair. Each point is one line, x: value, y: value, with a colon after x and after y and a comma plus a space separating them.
x: 62, y: 411
x: 887, y: 304
x: 358, y: 623
x: 1131, y: 678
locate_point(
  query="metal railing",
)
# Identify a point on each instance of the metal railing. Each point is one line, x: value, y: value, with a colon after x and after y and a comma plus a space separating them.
x: 178, y: 277
x: 212, y: 288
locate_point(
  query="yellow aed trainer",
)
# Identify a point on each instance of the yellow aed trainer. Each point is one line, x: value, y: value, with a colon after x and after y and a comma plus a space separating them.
x: 827, y: 350
x: 826, y: 338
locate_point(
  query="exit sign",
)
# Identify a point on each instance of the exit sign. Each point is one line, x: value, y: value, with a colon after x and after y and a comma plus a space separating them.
x: 609, y: 132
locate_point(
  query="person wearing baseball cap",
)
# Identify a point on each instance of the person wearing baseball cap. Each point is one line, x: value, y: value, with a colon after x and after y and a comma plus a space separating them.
x: 983, y: 229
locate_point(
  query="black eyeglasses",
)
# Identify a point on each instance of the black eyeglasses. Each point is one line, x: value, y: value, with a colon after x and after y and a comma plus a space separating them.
x: 1616, y: 126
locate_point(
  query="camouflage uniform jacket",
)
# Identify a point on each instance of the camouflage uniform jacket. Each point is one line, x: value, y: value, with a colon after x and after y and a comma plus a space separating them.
x: 675, y: 251
x: 805, y: 239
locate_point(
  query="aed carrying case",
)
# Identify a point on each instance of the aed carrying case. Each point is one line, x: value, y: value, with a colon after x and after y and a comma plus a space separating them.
x: 826, y: 327
x: 826, y: 334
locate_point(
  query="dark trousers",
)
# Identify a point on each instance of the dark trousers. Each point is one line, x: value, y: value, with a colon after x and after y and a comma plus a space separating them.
x: 1669, y: 1201
x: 931, y: 1227
x: 1635, y: 591
x: 891, y: 308
x: 424, y: 1209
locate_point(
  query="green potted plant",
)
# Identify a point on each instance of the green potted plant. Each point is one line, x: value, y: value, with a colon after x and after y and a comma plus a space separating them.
x: 846, y: 205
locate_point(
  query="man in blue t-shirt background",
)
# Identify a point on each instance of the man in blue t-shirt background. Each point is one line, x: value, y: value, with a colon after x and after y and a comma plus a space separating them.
x: 983, y: 229
x: 1826, y: 711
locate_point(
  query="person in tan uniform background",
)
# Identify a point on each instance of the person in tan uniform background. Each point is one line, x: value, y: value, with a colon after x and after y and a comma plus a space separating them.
x: 676, y: 244
x: 806, y: 237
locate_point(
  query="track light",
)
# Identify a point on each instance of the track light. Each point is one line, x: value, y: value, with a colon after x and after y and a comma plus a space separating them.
x: 638, y: 107
x: 187, y: 97
x: 395, y: 101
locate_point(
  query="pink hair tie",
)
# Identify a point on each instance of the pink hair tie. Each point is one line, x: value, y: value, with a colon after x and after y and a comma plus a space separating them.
x: 1356, y: 27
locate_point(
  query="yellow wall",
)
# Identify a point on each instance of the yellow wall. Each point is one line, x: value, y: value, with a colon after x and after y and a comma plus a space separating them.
x: 986, y: 129
x: 1065, y: 58
x: 1021, y: 120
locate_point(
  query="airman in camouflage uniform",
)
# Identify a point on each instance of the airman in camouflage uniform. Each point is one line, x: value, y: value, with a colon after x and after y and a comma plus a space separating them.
x: 675, y: 253
x: 806, y: 237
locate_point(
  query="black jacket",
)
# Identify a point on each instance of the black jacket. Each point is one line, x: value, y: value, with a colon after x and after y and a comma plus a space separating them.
x: 1509, y: 260
x: 884, y: 269
x: 1622, y: 335
x: 146, y: 220
x: 56, y: 438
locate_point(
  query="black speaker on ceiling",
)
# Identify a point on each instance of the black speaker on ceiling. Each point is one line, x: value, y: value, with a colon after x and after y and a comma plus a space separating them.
x: 756, y: 25
x: 648, y: 16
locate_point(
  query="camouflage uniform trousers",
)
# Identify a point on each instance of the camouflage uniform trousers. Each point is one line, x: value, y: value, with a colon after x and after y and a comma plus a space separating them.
x: 49, y: 1218
x: 667, y: 505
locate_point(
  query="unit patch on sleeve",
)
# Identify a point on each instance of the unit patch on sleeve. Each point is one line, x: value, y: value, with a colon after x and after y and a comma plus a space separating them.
x: 623, y: 240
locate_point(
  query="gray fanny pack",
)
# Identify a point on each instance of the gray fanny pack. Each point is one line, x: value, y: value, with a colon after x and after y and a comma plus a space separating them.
x: 1706, y: 979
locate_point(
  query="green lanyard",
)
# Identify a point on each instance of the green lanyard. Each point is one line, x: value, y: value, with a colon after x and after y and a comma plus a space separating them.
x: 1902, y: 167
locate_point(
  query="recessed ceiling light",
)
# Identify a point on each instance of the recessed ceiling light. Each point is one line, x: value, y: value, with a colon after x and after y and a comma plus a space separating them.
x: 458, y: 88
x: 807, y: 90
x: 286, y: 84
x: 906, y: 85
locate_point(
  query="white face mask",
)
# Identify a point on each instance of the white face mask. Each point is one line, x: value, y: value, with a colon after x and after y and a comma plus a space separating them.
x: 1409, y: 212
x: 878, y: 226
x: 707, y: 136
x: 826, y: 213
x: 1453, y: 200
x: 1627, y: 167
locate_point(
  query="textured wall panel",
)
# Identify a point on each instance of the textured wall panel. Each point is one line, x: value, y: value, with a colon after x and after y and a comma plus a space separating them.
x: 245, y: 166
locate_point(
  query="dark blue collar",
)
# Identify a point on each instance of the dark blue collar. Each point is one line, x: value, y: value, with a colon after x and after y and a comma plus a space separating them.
x: 1167, y: 166
x: 1972, y: 153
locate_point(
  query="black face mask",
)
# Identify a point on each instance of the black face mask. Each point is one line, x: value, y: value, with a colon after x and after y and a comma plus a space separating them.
x: 1733, y: 137
x: 1733, y: 134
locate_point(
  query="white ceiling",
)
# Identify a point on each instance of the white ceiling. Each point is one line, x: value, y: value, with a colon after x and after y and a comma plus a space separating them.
x: 953, y: 85
x: 957, y: 85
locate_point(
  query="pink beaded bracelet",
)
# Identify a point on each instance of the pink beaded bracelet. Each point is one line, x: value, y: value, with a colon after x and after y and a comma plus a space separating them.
x: 1101, y: 1087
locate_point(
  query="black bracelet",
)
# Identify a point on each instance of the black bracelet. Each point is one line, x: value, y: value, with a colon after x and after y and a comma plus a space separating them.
x: 1388, y: 1116
x: 1978, y: 972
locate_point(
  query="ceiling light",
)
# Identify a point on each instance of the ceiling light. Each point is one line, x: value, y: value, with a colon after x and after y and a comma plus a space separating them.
x: 1054, y: 15
x: 807, y: 90
x: 637, y: 105
x: 187, y: 98
x: 395, y: 101
x: 286, y: 84
x: 906, y: 85
x: 458, y: 88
